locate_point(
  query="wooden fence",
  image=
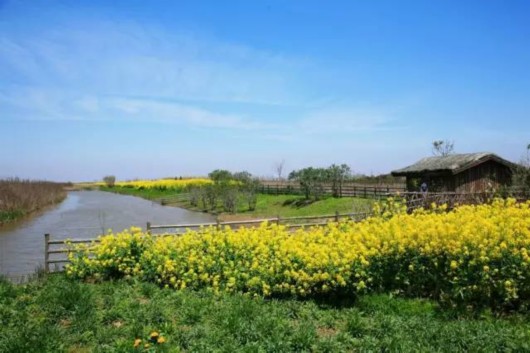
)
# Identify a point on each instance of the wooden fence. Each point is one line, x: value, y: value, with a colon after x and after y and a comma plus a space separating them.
x: 347, y: 190
x: 54, y: 248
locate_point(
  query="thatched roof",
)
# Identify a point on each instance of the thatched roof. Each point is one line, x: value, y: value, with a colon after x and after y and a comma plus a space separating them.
x: 453, y: 164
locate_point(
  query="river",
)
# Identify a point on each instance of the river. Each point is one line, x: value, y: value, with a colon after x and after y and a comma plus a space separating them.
x: 82, y: 215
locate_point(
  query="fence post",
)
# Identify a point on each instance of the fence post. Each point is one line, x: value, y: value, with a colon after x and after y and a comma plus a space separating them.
x: 148, y: 228
x: 46, y: 253
x: 337, y: 216
x: 218, y: 222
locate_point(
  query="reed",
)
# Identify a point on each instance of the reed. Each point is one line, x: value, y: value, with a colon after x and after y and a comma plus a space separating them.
x: 20, y: 197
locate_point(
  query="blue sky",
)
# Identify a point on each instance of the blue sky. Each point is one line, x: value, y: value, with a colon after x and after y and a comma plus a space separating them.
x: 146, y: 89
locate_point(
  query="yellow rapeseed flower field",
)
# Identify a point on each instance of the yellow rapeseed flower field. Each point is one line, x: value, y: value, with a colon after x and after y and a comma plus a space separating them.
x: 164, y: 184
x: 473, y: 256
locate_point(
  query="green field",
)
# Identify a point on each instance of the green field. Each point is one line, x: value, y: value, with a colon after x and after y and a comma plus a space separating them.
x: 292, y: 206
x: 267, y: 205
x: 58, y: 315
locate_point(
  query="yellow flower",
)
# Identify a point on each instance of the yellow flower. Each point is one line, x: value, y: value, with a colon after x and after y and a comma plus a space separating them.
x: 161, y: 340
x: 137, y: 342
x: 154, y: 335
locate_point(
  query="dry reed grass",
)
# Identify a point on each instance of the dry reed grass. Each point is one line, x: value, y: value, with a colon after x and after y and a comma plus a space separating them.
x: 19, y: 197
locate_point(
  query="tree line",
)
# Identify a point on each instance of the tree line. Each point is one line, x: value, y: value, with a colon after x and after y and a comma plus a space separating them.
x: 229, y: 190
x: 313, y: 180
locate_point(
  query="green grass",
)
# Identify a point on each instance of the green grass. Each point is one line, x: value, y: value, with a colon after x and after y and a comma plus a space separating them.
x: 267, y: 205
x: 148, y: 194
x: 10, y: 216
x: 59, y: 315
x: 292, y: 206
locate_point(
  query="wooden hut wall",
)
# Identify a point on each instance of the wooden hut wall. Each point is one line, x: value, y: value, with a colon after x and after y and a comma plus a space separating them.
x: 484, y: 177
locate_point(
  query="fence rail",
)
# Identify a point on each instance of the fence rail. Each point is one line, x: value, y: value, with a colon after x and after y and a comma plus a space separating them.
x: 347, y: 190
x: 51, y: 250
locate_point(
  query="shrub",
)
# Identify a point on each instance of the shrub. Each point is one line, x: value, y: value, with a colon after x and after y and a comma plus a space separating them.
x: 109, y: 180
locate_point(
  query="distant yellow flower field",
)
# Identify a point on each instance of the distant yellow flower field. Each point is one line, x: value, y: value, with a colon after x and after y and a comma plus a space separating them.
x: 472, y: 256
x: 162, y: 184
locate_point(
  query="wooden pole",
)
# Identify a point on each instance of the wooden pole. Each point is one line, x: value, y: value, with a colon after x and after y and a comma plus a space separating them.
x: 46, y: 253
x: 218, y: 222
x: 337, y: 216
x: 148, y: 228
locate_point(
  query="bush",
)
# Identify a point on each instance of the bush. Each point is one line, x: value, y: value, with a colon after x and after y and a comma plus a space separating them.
x: 109, y: 180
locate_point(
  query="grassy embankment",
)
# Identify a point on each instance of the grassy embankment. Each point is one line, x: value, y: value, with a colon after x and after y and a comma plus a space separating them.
x: 21, y: 197
x: 267, y: 205
x: 58, y: 315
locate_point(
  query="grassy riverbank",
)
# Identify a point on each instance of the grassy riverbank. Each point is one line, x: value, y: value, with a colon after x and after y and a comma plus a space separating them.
x: 21, y: 197
x: 148, y: 194
x: 59, y: 315
x: 266, y: 206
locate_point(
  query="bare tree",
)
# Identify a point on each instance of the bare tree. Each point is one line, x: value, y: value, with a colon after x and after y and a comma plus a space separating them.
x: 278, y: 168
x: 443, y: 148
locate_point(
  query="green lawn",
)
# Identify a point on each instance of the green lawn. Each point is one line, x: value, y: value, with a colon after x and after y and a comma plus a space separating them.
x: 267, y: 206
x: 292, y: 206
x: 58, y: 315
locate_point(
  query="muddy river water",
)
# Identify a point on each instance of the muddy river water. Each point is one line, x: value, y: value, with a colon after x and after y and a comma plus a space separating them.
x: 82, y: 215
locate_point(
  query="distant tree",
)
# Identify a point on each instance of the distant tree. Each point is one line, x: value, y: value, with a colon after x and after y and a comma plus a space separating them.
x: 311, y: 181
x: 337, y: 175
x: 242, y: 177
x: 109, y: 180
x: 220, y: 175
x: 443, y: 148
x: 229, y: 197
x: 278, y: 168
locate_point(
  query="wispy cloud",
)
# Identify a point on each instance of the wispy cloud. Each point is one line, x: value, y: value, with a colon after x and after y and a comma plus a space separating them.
x: 45, y: 105
x: 127, y: 59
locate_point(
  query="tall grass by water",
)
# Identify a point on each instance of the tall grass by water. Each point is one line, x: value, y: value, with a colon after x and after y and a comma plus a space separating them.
x: 20, y: 197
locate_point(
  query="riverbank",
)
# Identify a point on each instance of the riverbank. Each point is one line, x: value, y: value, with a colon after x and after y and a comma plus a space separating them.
x: 55, y: 314
x: 267, y: 206
x: 20, y: 198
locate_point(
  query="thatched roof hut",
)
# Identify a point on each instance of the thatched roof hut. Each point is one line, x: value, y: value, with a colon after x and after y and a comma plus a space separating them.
x: 468, y: 172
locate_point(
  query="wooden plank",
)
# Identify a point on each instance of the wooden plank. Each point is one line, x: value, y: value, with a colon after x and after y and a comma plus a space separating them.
x: 191, y: 225
x: 46, y: 252
x: 307, y: 224
x: 73, y: 241
x: 57, y: 261
x: 61, y: 251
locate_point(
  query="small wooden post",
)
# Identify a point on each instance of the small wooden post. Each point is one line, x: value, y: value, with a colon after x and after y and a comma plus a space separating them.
x: 218, y: 222
x: 46, y: 253
x: 337, y: 216
x: 148, y: 228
